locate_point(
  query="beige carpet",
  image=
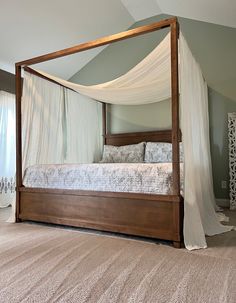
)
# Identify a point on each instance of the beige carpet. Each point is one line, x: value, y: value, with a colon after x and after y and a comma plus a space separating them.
x: 47, y: 264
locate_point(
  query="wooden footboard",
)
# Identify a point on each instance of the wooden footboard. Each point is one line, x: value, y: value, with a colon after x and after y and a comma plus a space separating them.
x: 156, y: 216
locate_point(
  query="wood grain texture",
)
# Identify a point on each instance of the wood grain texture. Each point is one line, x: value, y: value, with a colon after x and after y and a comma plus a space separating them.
x: 175, y: 107
x: 18, y: 137
x: 137, y: 137
x: 109, y: 194
x: 104, y: 122
x: 150, y: 218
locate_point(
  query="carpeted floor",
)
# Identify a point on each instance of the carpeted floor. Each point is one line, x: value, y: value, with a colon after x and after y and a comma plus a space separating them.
x: 47, y: 264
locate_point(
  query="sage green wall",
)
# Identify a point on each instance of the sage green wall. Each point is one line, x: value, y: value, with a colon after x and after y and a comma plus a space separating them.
x: 219, y: 107
x: 213, y: 46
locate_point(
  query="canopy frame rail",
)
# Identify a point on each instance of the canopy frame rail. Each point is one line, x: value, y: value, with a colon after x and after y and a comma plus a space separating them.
x: 171, y: 23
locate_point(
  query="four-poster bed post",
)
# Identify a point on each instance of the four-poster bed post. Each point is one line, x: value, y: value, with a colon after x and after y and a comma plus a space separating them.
x: 170, y: 206
x: 18, y: 138
x: 175, y: 106
x: 104, y: 122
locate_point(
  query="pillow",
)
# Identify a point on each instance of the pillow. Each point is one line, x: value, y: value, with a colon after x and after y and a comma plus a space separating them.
x: 160, y: 152
x: 123, y: 154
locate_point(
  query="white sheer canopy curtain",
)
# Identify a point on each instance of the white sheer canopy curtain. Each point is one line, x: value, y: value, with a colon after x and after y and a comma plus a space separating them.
x: 200, y: 217
x: 149, y: 82
x: 42, y: 121
x: 83, y: 129
x: 7, y: 149
x: 59, y: 125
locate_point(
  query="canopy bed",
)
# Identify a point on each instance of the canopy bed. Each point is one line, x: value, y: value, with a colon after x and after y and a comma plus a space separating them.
x: 149, y: 213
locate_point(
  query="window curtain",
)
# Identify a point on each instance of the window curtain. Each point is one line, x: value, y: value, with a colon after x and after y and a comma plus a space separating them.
x: 7, y: 149
x: 149, y: 82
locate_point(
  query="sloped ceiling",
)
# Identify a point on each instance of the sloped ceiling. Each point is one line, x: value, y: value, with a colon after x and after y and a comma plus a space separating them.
x: 221, y: 12
x: 30, y: 28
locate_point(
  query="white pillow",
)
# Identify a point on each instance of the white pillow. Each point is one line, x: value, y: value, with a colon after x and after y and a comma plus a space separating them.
x: 160, y: 152
x: 123, y: 154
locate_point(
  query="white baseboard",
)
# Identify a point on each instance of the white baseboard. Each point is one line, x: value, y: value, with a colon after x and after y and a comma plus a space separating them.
x: 223, y: 202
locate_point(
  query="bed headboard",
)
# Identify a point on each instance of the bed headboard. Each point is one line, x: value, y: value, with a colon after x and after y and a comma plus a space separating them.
x: 134, y: 138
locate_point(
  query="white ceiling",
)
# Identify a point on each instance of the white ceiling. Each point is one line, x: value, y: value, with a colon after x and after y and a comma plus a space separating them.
x: 221, y: 12
x: 141, y: 9
x: 30, y: 28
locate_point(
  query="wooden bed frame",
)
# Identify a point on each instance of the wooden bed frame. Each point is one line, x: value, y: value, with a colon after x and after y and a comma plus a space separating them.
x: 156, y: 216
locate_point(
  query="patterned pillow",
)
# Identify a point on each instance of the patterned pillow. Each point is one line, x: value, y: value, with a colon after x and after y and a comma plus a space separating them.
x: 123, y: 154
x: 160, y: 152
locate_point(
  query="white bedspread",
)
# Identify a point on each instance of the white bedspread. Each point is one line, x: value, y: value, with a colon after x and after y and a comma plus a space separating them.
x: 116, y: 177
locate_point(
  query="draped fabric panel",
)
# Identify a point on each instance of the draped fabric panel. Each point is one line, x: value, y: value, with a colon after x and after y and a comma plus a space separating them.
x: 200, y: 217
x: 83, y: 126
x: 42, y: 121
x: 148, y: 82
x: 7, y: 149
x: 59, y: 125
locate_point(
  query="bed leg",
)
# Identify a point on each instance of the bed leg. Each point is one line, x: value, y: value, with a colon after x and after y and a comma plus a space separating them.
x: 177, y: 244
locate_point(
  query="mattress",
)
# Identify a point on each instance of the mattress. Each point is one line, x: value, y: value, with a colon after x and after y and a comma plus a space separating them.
x: 152, y: 178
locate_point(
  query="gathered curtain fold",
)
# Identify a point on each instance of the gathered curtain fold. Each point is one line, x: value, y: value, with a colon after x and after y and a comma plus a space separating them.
x: 147, y: 82
x: 83, y: 127
x: 55, y: 124
x: 200, y: 217
x: 7, y: 148
x: 42, y: 122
